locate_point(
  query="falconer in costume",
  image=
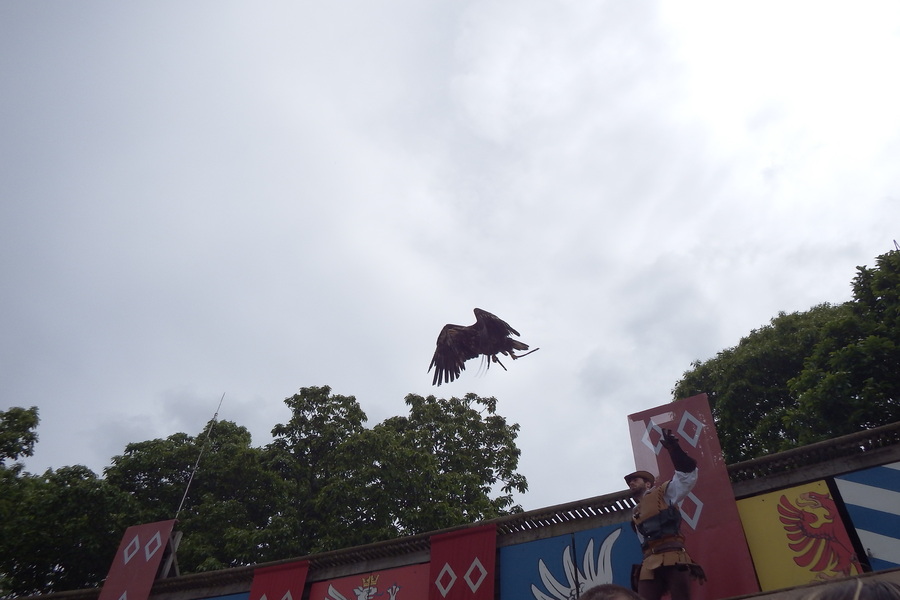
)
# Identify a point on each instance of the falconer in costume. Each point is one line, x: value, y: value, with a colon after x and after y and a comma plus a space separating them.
x: 657, y: 521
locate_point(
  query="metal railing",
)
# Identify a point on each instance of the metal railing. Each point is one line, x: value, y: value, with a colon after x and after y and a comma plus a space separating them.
x: 848, y: 446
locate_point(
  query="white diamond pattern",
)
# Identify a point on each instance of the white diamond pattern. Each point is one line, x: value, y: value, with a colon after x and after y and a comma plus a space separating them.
x: 443, y: 589
x: 152, y: 546
x: 693, y: 440
x: 693, y: 519
x: 131, y: 549
x: 651, y: 426
x: 482, y: 573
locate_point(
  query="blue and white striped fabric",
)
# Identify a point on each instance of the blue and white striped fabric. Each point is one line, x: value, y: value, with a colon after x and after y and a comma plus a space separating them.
x: 872, y: 498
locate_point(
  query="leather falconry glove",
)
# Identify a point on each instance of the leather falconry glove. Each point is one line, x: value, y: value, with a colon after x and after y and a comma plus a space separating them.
x: 680, y: 460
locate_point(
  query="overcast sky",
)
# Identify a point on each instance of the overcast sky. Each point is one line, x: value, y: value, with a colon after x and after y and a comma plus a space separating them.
x: 245, y: 198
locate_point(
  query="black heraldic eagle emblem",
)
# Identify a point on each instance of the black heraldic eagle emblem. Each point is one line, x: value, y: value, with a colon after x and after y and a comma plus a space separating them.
x: 456, y: 344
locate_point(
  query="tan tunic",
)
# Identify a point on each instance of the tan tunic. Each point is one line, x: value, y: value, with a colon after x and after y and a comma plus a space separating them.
x: 666, y: 551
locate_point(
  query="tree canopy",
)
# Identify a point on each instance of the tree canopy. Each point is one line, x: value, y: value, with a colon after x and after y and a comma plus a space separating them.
x: 809, y: 376
x: 851, y: 379
x: 17, y: 433
x: 326, y: 481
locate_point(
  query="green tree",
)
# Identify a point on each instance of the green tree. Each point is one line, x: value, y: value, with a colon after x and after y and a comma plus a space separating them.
x: 748, y: 387
x: 451, y: 461
x: 851, y: 379
x: 225, y: 505
x: 17, y: 433
x: 475, y: 450
x: 64, y: 533
x: 305, y: 455
x: 17, y: 439
x: 376, y: 481
x: 325, y: 482
x: 809, y: 376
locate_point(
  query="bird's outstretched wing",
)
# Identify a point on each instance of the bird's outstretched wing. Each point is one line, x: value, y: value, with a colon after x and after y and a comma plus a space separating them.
x: 494, y: 326
x: 455, y: 345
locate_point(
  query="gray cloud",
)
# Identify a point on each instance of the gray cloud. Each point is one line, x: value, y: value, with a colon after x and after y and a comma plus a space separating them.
x: 246, y: 200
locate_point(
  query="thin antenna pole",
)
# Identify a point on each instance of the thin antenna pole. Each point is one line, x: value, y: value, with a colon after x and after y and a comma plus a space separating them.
x: 202, y: 448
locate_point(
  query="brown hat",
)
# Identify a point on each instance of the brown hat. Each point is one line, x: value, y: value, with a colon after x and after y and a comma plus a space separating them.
x: 645, y: 475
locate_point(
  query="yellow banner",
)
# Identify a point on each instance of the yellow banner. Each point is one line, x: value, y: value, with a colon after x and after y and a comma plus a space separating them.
x: 796, y: 536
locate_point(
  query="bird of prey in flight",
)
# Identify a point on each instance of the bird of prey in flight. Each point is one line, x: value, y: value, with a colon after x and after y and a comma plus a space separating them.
x: 488, y: 337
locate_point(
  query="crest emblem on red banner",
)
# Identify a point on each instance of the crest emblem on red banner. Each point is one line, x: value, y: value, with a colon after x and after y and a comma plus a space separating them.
x: 402, y: 583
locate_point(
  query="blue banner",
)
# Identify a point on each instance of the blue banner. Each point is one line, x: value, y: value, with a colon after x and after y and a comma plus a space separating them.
x: 562, y: 567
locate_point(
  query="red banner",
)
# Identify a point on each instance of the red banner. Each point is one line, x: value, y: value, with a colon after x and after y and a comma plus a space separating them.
x: 134, y: 568
x: 281, y: 582
x: 463, y: 564
x: 402, y: 583
x: 712, y: 525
